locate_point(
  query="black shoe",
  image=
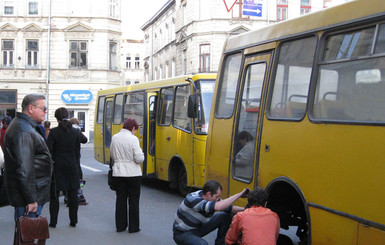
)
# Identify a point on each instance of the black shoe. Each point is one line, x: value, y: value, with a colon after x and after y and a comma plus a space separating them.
x: 52, y: 225
x: 134, y: 231
x: 73, y: 224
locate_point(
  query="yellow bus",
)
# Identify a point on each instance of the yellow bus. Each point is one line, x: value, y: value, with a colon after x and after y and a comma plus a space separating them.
x: 299, y: 109
x: 173, y: 143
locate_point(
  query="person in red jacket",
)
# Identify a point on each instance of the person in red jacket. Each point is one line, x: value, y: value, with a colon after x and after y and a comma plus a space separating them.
x: 5, y: 122
x: 256, y: 225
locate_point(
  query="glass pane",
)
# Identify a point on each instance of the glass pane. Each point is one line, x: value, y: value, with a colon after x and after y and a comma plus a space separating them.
x: 244, y: 145
x: 228, y: 85
x: 118, y: 110
x: 74, y: 59
x: 181, y: 120
x: 108, y: 124
x: 206, y: 96
x: 8, y: 45
x: 351, y: 91
x: 101, y: 109
x: 32, y: 45
x: 33, y: 8
x: 83, y: 46
x: 349, y: 45
x: 380, y: 44
x: 74, y: 46
x: 83, y: 60
x: 8, y: 10
x: 292, y: 79
x: 166, y: 106
x: 7, y: 97
x: 134, y: 107
x: 29, y: 58
x: 151, y: 138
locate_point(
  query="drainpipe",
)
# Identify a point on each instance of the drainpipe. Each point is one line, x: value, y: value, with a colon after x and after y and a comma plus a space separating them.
x: 48, y: 58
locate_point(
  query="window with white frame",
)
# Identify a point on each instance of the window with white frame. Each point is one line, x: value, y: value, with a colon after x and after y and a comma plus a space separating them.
x: 137, y: 62
x: 282, y: 7
x: 160, y: 72
x: 112, y: 56
x: 173, y: 68
x: 128, y: 62
x: 184, y: 61
x: 7, y: 48
x: 33, y: 8
x: 9, y: 7
x: 204, y: 58
x: 32, y: 53
x: 78, y: 54
x: 305, y: 7
x: 114, y: 9
x: 166, y: 73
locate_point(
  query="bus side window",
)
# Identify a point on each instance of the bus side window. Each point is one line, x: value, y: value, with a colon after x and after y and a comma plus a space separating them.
x: 292, y: 78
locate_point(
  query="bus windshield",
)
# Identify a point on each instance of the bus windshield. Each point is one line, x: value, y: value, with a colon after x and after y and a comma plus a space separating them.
x: 206, y: 97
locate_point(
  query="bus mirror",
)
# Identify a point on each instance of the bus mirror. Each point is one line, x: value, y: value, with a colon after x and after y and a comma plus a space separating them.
x: 192, y: 105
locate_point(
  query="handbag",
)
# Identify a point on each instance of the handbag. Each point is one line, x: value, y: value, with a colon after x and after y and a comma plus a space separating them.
x: 3, y: 192
x: 31, y: 230
x: 111, y: 180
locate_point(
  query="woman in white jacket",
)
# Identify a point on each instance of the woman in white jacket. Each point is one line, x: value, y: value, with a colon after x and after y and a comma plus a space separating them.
x: 127, y: 157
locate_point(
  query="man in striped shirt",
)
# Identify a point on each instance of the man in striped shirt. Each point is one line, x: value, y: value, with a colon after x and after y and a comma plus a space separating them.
x: 203, y: 211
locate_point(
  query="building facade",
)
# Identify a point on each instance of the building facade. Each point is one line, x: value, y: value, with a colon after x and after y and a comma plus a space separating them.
x: 187, y: 36
x: 132, y: 52
x: 65, y: 49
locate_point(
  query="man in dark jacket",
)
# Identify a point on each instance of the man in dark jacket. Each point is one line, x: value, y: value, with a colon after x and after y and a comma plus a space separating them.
x: 28, y: 163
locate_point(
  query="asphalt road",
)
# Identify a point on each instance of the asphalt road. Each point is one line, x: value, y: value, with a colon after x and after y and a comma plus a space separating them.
x: 158, y: 205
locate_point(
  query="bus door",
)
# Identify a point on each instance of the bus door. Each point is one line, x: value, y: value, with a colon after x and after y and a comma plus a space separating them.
x: 107, y: 128
x: 150, y: 127
x: 247, y: 126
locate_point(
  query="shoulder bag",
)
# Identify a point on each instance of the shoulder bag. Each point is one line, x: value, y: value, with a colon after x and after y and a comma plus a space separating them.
x: 31, y: 230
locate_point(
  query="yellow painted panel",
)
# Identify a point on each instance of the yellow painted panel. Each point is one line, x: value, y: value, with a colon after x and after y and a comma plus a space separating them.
x: 327, y: 228
x: 370, y: 236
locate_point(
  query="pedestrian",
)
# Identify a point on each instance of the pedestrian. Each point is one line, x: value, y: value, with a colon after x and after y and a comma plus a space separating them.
x: 202, y: 212
x: 47, y: 128
x: 127, y: 157
x: 83, y: 140
x: 5, y: 122
x: 28, y: 163
x: 64, y: 144
x: 257, y: 225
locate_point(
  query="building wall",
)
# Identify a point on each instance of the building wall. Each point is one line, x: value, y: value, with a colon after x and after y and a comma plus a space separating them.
x: 197, y: 22
x: 132, y: 73
x: 71, y: 20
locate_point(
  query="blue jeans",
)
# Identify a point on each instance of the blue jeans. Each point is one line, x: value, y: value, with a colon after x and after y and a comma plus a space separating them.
x: 20, y: 211
x: 220, y: 220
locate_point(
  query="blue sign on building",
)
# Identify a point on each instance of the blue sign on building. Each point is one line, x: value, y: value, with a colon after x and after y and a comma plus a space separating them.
x: 76, y: 96
x: 251, y: 7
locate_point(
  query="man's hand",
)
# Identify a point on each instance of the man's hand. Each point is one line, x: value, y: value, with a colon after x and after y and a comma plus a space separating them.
x: 245, y: 193
x: 32, y: 207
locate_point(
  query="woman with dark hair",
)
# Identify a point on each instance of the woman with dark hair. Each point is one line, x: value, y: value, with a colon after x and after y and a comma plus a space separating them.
x: 127, y: 157
x: 64, y: 144
x: 257, y: 224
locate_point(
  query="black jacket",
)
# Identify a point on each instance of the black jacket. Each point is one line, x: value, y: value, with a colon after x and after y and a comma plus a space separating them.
x: 28, y: 164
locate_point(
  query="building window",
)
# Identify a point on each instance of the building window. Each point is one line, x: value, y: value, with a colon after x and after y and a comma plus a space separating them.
x: 128, y: 62
x: 8, y: 7
x: 282, y: 8
x: 173, y: 68
x: 305, y: 7
x: 32, y: 53
x: 7, y: 48
x: 167, y: 75
x: 114, y: 9
x: 128, y: 82
x: 137, y: 62
x: 112, y: 56
x: 204, y: 58
x: 160, y: 72
x: 78, y: 54
x: 184, y: 62
x: 33, y: 8
x: 136, y: 82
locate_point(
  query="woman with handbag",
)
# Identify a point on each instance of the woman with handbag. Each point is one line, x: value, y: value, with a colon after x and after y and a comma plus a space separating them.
x: 64, y: 144
x: 127, y: 157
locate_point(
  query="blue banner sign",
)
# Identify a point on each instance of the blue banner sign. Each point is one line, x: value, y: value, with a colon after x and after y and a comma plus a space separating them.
x: 252, y: 8
x: 76, y: 96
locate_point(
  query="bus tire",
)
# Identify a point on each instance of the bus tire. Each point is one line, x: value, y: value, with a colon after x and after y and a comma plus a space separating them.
x: 182, y: 182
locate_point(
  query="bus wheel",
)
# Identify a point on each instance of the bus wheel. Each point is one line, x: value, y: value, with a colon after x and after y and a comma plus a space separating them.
x: 182, y: 182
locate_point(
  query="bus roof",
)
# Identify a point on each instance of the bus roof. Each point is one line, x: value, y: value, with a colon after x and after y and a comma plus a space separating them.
x: 319, y: 20
x: 157, y: 84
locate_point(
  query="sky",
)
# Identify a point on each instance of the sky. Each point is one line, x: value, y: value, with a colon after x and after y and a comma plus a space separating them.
x: 135, y: 14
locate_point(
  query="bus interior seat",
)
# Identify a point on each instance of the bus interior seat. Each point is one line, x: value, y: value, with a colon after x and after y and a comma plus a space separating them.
x: 295, y: 109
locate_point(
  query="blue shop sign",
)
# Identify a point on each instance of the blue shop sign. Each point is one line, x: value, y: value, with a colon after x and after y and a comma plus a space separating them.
x: 76, y: 96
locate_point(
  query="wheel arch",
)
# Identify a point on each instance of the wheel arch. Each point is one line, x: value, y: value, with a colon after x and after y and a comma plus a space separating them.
x: 288, y: 201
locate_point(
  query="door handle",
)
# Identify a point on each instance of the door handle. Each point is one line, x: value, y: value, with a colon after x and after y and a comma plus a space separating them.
x: 168, y: 138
